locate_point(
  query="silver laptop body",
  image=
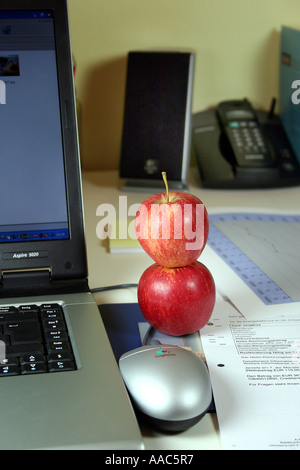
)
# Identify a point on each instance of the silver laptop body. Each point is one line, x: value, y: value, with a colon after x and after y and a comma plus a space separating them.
x: 42, y: 244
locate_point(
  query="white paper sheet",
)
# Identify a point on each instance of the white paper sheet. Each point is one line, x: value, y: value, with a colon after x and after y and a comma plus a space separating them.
x: 255, y: 371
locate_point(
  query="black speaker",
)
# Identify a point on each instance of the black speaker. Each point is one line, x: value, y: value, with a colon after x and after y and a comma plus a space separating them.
x: 157, y: 118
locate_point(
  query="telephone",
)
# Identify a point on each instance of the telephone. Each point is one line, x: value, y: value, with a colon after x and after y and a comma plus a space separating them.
x: 238, y: 147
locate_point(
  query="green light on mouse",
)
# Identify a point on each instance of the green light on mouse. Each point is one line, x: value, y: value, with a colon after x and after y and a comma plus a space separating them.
x: 159, y: 351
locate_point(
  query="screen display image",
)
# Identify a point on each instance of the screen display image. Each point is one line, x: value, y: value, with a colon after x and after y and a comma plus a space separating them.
x: 32, y: 179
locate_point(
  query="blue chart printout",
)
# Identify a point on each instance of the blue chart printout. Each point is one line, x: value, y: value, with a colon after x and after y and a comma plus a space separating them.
x: 255, y: 260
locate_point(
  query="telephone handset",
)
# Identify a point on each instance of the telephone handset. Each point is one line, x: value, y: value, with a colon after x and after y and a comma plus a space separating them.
x: 236, y: 146
x: 243, y: 131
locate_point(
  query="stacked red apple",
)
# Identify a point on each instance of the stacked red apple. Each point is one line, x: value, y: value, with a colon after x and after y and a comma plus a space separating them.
x: 176, y: 294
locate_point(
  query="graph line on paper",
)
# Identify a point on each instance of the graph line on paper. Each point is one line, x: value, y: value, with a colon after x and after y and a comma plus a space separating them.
x: 263, y: 250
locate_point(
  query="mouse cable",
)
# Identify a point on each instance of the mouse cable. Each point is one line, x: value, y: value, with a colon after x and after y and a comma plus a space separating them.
x: 118, y: 286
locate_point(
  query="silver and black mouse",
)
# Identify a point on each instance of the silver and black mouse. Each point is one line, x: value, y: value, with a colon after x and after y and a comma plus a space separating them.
x: 167, y: 384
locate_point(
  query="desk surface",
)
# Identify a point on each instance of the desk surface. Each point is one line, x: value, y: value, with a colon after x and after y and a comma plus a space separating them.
x: 106, y: 269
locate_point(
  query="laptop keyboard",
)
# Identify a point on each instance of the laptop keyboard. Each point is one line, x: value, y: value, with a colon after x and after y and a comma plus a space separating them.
x: 36, y: 339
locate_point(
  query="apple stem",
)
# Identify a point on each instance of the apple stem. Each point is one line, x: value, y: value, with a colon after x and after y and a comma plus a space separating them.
x: 164, y: 175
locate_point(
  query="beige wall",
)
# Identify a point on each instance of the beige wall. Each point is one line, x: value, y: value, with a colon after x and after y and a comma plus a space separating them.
x: 236, y: 44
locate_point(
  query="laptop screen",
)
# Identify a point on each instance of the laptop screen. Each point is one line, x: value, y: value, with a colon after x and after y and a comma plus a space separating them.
x: 32, y: 176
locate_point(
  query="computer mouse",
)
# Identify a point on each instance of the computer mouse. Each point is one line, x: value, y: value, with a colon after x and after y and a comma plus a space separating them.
x: 168, y: 385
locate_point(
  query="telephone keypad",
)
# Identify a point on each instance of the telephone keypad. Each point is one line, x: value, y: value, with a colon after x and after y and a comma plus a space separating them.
x: 248, y: 143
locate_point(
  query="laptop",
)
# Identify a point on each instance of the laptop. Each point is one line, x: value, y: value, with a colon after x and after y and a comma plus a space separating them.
x: 60, y: 386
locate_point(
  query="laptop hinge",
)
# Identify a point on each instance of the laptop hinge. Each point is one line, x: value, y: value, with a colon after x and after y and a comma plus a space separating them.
x: 25, y: 277
x: 37, y: 282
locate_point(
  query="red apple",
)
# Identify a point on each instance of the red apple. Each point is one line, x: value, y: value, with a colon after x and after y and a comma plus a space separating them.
x: 177, y: 301
x: 172, y: 228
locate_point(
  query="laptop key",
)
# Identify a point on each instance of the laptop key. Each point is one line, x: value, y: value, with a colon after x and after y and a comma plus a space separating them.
x: 51, y: 313
x: 60, y: 366
x: 8, y: 309
x: 33, y: 358
x: 34, y: 368
x: 18, y: 350
x: 58, y: 346
x: 9, y: 370
x: 53, y: 325
x: 56, y: 335
x: 23, y: 332
x: 15, y: 317
x: 50, y: 306
x: 60, y: 356
x: 29, y: 308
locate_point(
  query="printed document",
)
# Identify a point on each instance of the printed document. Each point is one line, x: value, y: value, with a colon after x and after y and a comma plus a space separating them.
x: 254, y: 367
